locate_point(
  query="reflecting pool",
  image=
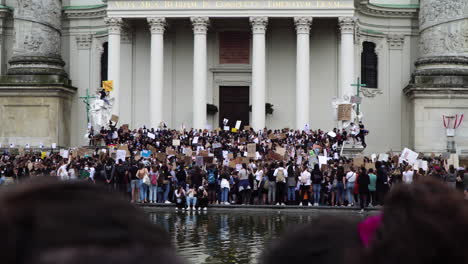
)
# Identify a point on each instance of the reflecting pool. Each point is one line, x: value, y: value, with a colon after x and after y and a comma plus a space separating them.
x: 229, y: 236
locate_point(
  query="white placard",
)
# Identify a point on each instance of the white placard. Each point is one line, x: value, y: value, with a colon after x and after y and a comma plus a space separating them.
x: 54, y: 145
x: 12, y: 145
x: 120, y: 155
x: 27, y: 146
x: 151, y: 135
x: 195, y: 140
x: 322, y: 160
x: 238, y: 124
x: 64, y: 153
x: 226, y: 128
x: 41, y: 145
x: 409, y: 156
x: 383, y: 157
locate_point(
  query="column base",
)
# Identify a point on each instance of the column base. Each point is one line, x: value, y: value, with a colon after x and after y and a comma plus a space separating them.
x: 35, y: 109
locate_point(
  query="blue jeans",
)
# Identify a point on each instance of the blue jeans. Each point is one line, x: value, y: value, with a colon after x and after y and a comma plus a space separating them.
x: 153, y: 193
x: 339, y: 193
x: 160, y: 194
x: 317, y: 188
x: 224, y: 195
x: 291, y: 193
x: 350, y: 192
x: 191, y: 200
x: 167, y: 189
x: 143, y: 191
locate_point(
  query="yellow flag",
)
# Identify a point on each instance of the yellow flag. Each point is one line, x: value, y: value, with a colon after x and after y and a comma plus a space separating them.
x: 43, y: 155
x: 108, y: 86
x: 234, y: 130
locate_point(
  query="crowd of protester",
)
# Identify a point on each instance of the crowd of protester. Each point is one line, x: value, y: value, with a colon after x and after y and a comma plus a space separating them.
x: 227, y: 175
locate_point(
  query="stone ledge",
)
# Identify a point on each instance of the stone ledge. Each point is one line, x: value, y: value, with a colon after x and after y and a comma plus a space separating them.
x: 435, y: 92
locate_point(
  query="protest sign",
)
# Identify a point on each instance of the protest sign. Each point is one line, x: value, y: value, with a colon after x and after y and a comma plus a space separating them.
x: 204, y: 153
x: 344, y: 112
x: 114, y: 119
x: 358, y: 162
x: 322, y: 161
x: 281, y: 151
x: 146, y: 153
x: 226, y: 128
x: 251, y: 149
x: 234, y: 130
x: 64, y: 153
x: 374, y: 157
x: 230, y: 156
x: 199, y: 161
x: 120, y: 155
x: 151, y: 135
x: 161, y: 157
x: 54, y: 145
x: 176, y: 142
x: 217, y: 145
x: 238, y: 124
x: 409, y: 156
x: 232, y: 164
x: 383, y: 157
x: 195, y: 141
x: 247, y: 128
x: 356, y: 99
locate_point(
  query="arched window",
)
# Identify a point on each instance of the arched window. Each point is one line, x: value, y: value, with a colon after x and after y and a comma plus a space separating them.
x: 369, y: 65
x: 104, y: 57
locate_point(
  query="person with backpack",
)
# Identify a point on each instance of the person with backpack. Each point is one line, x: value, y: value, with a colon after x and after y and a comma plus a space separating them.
x: 153, y: 187
x: 212, y: 178
x: 225, y: 186
x: 317, y: 178
x: 280, y: 174
x: 109, y: 173
x: 292, y: 182
x: 271, y: 184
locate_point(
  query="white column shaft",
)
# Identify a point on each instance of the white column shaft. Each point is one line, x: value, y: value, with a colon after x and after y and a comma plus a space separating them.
x: 200, y: 72
x: 258, y: 72
x: 114, y: 70
x: 303, y: 71
x: 156, y: 94
x: 347, y: 63
x: 347, y: 56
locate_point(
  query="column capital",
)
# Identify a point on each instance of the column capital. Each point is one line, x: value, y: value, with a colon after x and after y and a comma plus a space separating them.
x: 303, y: 24
x: 396, y: 41
x: 347, y: 24
x: 157, y: 24
x: 83, y: 41
x: 200, y: 24
x: 259, y: 24
x: 114, y: 24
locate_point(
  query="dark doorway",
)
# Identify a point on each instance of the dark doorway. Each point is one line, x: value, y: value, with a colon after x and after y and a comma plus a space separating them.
x: 104, y: 58
x: 234, y: 105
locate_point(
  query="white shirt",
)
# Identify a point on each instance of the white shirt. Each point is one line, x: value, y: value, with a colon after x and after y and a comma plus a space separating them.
x: 259, y: 175
x: 408, y: 177
x: 285, y: 172
x: 305, y: 178
x: 63, y: 173
x: 351, y: 176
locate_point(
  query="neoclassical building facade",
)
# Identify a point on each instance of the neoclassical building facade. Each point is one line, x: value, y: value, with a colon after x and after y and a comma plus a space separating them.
x: 169, y: 59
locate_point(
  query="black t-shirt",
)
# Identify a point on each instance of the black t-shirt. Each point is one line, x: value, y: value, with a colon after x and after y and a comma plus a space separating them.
x: 270, y: 174
x: 133, y: 173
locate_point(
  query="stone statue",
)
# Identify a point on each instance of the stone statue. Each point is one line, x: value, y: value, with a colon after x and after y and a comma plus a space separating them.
x: 101, y: 112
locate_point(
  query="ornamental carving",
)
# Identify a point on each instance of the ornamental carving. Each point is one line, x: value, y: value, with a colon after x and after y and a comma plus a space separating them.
x: 157, y: 25
x: 114, y: 24
x: 395, y: 41
x: 259, y: 24
x: 347, y: 24
x: 437, y: 11
x: 200, y: 24
x: 303, y: 24
x: 48, y: 12
x: 37, y: 26
x: 84, y: 41
x: 445, y: 40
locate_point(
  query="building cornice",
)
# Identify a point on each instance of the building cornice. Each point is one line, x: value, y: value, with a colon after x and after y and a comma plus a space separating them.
x: 83, y: 12
x: 377, y: 10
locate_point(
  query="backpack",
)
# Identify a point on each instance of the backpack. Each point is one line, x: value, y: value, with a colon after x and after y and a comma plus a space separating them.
x: 211, y: 177
x: 280, y: 175
x: 265, y: 183
x: 154, y: 179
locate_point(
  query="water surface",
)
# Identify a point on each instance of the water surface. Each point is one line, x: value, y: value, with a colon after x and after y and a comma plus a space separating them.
x: 230, y: 236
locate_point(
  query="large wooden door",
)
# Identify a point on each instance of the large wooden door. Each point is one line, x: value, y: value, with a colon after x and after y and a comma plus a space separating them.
x: 234, y: 105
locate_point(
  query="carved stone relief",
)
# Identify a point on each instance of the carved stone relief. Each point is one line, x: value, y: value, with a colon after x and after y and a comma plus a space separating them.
x: 437, y: 11
x: 445, y: 40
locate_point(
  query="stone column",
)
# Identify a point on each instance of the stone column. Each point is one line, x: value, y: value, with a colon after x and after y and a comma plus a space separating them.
x: 440, y: 78
x: 157, y: 27
x: 302, y: 70
x: 200, y: 71
x: 37, y: 26
x: 259, y: 26
x: 114, y: 25
x: 346, y: 57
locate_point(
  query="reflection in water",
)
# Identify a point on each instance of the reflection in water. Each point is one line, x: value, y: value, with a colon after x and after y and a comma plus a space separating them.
x: 225, y: 236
